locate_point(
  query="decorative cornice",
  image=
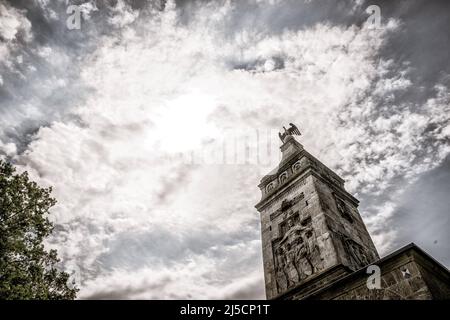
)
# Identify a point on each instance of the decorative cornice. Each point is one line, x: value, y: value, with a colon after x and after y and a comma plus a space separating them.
x: 314, y: 167
x: 284, y: 190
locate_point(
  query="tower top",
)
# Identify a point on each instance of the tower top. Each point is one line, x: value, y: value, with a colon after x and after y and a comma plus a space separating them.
x: 295, y: 162
x: 293, y: 130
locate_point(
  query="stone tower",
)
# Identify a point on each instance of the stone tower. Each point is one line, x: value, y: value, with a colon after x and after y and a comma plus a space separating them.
x: 312, y: 232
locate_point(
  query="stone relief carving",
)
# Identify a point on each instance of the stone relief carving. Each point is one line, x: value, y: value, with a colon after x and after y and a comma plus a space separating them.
x: 296, y: 166
x: 275, y: 214
x: 300, y: 165
x: 343, y: 209
x: 296, y: 253
x: 286, y: 204
x: 358, y: 255
x: 289, y: 223
x: 292, y: 130
x: 283, y: 177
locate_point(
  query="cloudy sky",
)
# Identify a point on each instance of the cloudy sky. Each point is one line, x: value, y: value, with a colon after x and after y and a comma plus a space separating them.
x: 101, y: 112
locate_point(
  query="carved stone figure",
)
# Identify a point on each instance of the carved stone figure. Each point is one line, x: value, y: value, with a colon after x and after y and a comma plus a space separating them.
x: 283, y: 177
x: 343, y: 210
x: 280, y: 269
x: 302, y: 260
x: 293, y: 273
x: 297, y: 253
x: 357, y: 253
x: 293, y: 130
x: 313, y: 252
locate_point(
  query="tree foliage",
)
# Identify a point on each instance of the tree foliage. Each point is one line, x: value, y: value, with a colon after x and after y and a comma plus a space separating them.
x: 27, y: 270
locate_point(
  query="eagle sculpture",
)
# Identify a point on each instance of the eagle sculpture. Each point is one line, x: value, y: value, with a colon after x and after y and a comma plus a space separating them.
x: 292, y: 130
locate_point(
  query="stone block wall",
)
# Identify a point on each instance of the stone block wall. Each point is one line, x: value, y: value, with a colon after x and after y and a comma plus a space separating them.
x: 407, y: 274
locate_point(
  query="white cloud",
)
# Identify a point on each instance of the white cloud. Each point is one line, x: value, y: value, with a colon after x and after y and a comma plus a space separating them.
x: 44, y: 52
x: 123, y: 14
x: 12, y: 22
x: 8, y: 149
